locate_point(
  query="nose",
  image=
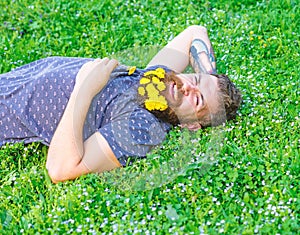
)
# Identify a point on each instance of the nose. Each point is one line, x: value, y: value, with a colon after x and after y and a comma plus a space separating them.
x: 187, y: 88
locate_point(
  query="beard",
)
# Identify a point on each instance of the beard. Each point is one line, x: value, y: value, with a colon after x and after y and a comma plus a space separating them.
x: 173, y: 84
x: 168, y: 115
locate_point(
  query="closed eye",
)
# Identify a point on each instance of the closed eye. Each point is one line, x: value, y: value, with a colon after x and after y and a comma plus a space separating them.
x: 202, y: 98
x: 197, y: 100
x: 197, y: 79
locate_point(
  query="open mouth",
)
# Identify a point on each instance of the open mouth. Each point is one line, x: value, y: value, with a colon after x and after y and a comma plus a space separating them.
x: 174, y: 91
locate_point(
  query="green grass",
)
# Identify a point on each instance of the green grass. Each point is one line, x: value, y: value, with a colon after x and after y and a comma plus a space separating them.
x: 252, y: 188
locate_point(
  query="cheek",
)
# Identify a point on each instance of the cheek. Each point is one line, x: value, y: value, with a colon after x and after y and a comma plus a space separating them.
x: 186, y: 112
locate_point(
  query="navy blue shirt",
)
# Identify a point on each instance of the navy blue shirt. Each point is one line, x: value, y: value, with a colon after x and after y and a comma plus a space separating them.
x: 33, y: 98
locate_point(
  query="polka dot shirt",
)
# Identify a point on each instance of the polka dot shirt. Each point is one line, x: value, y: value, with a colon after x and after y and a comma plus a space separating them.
x: 33, y: 98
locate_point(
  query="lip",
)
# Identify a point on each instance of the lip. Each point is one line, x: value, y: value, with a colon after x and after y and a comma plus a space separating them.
x: 201, y: 103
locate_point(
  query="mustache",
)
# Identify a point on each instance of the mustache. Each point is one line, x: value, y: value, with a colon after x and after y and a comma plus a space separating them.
x: 173, y: 80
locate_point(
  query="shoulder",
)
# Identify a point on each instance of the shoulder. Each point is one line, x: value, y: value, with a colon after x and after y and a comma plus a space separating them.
x: 153, y: 67
x: 142, y: 120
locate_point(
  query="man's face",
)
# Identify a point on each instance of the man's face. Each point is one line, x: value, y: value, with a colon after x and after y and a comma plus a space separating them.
x: 192, y: 96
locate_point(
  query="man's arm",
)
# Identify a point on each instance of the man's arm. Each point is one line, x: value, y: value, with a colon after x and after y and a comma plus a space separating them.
x: 67, y: 151
x: 184, y: 49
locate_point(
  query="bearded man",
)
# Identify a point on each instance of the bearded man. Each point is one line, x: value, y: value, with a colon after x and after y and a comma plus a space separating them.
x: 94, y: 113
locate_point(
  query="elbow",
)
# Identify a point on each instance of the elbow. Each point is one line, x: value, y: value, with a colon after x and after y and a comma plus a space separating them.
x: 55, y: 175
x: 64, y: 167
x: 197, y: 28
x: 57, y: 168
x: 55, y: 172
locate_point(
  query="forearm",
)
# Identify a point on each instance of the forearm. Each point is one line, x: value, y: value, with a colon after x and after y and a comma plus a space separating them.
x: 67, y: 142
x: 177, y: 53
x: 67, y: 148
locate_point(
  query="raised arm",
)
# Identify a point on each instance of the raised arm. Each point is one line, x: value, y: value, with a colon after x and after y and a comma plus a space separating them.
x: 192, y: 46
x: 68, y: 156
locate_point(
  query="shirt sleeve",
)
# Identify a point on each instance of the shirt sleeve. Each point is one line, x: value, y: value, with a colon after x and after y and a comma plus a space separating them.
x: 134, y: 136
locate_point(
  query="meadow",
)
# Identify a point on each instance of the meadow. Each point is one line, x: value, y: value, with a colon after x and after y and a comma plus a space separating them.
x: 251, y: 187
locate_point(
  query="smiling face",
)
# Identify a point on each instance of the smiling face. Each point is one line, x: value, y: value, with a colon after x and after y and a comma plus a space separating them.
x: 191, y: 100
x: 192, y: 96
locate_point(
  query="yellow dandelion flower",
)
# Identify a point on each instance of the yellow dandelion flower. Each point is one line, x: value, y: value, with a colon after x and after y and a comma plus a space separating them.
x: 161, y: 86
x: 155, y: 105
x: 148, y: 73
x: 152, y: 91
x: 131, y: 70
x: 163, y: 107
x: 152, y: 85
x: 149, y: 105
x: 155, y: 80
x: 162, y: 100
x: 159, y: 72
x: 160, y: 75
x: 159, y: 102
x: 144, y: 81
x: 141, y: 91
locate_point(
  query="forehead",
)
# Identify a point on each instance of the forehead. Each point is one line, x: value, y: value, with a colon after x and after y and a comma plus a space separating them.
x: 206, y: 82
x: 207, y: 86
x: 204, y: 78
x: 210, y: 89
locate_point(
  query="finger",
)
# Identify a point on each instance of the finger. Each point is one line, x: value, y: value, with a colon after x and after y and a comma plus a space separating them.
x: 110, y: 63
x: 86, y: 65
x: 113, y: 63
x: 105, y: 60
x: 99, y: 61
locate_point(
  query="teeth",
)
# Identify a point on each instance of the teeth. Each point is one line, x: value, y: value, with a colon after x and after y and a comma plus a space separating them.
x: 175, y: 92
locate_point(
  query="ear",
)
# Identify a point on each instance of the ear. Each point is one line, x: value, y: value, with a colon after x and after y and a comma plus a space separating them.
x: 192, y: 126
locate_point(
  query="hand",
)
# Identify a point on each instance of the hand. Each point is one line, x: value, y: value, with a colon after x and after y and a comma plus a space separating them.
x: 94, y: 75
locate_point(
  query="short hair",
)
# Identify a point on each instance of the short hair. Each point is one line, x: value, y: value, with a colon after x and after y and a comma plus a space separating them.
x: 229, y: 100
x: 228, y: 96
